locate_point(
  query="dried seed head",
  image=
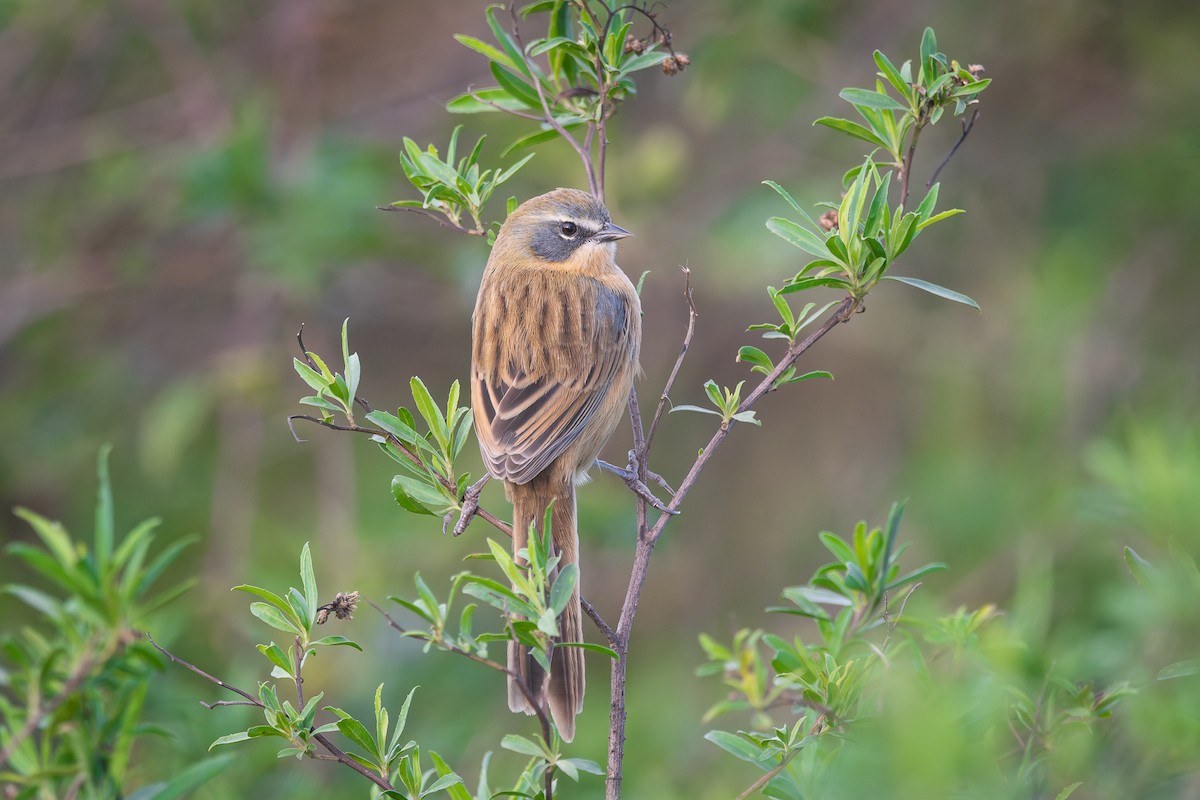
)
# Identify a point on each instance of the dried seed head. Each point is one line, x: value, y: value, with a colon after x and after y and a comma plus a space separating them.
x: 675, y: 64
x: 976, y: 70
x: 634, y: 45
x: 343, y: 606
x: 829, y: 220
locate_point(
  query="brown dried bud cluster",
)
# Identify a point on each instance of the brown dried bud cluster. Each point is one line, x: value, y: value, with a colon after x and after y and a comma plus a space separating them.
x: 634, y: 45
x: 343, y: 606
x: 675, y: 64
x: 829, y: 220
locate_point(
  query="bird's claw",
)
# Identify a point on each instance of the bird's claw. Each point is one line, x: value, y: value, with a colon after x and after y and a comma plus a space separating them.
x: 629, y: 474
x: 470, y: 506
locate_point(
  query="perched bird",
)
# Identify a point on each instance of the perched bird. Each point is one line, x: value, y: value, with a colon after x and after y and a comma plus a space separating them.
x: 555, y: 340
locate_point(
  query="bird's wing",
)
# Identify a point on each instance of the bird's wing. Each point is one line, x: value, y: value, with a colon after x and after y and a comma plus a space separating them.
x: 532, y: 403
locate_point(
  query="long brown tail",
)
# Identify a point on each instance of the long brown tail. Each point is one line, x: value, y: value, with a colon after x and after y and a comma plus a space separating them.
x: 563, y: 687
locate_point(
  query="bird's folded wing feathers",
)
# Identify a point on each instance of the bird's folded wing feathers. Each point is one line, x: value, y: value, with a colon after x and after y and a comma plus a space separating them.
x: 531, y: 415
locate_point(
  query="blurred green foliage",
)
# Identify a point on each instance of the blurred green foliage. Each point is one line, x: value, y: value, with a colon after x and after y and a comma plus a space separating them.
x: 185, y: 183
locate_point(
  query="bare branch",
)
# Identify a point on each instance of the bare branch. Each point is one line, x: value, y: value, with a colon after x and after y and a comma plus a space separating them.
x: 445, y: 222
x: 683, y: 351
x: 966, y: 130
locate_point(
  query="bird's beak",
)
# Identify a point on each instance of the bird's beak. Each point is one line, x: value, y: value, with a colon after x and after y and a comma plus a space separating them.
x: 611, y: 232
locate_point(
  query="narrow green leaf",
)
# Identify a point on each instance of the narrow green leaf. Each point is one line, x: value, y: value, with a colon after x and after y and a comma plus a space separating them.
x: 797, y: 236
x: 1141, y: 569
x: 889, y: 71
x: 273, y: 617
x: 934, y: 289
x: 516, y: 87
x: 310, y: 583
x: 928, y: 45
x: 1070, y: 790
x: 871, y: 99
x: 1180, y: 669
x: 519, y: 744
x: 485, y: 49
x: 853, y: 129
x: 105, y: 523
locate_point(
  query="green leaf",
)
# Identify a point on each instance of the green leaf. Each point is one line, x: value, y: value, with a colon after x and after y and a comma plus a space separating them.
x: 485, y: 49
x: 415, y: 495
x: 310, y: 584
x: 916, y: 575
x: 975, y: 87
x: 105, y: 523
x: 797, y: 236
x: 280, y: 659
x: 928, y: 203
x: 937, y: 217
x: 564, y: 585
x: 928, y: 45
x: 529, y: 140
x: 934, y: 289
x: 853, y: 129
x: 482, y: 100
x: 240, y: 736
x: 595, y: 648
x: 53, y: 535
x: 356, y: 732
x: 792, y: 202
x: 1141, y: 569
x: 871, y: 99
x: 1070, y: 790
x: 272, y: 616
x: 738, y: 746
x: 190, y: 778
x: 760, y: 360
x: 334, y: 641
x: 516, y: 87
x: 519, y: 744
x: 889, y: 71
x: 430, y: 411
x: 1180, y: 669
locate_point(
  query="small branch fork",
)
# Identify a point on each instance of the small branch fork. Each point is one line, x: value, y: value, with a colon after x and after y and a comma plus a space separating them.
x: 335, y: 752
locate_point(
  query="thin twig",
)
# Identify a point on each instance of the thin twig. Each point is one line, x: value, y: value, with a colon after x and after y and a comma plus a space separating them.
x: 591, y: 611
x: 966, y: 130
x: 491, y: 518
x: 547, y: 114
x: 254, y: 701
x: 219, y: 703
x: 478, y: 659
x: 683, y: 351
x: 767, y: 776
x: 333, y: 749
x: 298, y: 658
x: 907, y: 164
x: 444, y: 221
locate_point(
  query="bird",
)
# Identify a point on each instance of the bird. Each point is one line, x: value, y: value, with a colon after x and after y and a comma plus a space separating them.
x: 555, y: 344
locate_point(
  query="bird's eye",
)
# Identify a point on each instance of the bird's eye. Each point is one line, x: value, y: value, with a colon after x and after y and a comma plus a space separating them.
x: 569, y: 229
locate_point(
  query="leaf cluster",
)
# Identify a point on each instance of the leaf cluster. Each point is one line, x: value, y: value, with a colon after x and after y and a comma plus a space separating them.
x: 73, y: 685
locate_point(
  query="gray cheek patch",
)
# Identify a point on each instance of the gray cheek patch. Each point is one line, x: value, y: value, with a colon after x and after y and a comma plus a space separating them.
x: 550, y: 245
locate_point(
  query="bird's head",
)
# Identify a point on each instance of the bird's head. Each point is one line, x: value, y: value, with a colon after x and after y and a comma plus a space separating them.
x: 560, y: 227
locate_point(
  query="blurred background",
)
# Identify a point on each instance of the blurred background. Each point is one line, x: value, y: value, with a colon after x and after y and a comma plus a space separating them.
x: 184, y: 183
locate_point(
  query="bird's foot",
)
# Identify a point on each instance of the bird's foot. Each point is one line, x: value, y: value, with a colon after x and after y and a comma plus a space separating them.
x: 470, y: 506
x: 629, y: 474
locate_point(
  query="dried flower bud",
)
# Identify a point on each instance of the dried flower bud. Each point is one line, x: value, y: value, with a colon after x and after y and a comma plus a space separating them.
x: 634, y: 45
x: 675, y: 64
x: 829, y: 220
x: 343, y: 606
x: 976, y: 70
